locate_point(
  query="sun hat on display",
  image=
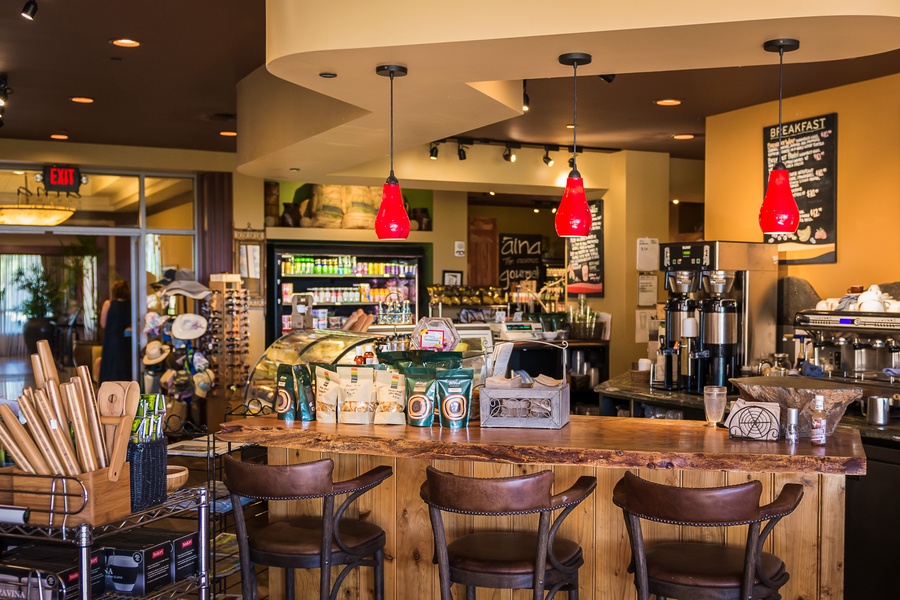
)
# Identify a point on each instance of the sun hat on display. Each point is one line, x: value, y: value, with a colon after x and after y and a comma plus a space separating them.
x: 185, y: 283
x: 203, y: 382
x: 155, y: 353
x: 188, y: 326
x: 153, y: 321
x: 199, y: 362
x: 167, y: 278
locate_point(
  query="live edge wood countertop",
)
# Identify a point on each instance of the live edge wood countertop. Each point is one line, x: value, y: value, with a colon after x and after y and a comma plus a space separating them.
x: 611, y: 442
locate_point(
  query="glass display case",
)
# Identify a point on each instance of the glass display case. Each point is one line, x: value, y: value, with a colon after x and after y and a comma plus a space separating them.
x: 302, y: 346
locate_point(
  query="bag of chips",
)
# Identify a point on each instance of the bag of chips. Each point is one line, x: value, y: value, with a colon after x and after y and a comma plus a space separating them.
x: 454, y: 397
x: 328, y: 394
x: 358, y: 395
x: 390, y: 394
x: 419, y: 396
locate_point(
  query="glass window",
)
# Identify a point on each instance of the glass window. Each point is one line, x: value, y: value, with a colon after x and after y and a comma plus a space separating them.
x: 170, y: 202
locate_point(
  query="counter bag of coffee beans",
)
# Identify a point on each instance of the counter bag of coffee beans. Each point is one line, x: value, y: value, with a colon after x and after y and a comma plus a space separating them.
x: 419, y: 396
x: 454, y: 397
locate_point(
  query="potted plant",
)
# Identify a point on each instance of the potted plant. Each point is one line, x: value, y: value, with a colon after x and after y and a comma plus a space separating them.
x: 40, y: 304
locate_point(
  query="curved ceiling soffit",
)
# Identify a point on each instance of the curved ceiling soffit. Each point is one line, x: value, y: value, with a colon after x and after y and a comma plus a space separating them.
x: 327, y: 126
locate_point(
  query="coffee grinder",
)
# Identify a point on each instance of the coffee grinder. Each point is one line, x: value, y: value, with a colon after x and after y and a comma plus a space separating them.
x: 718, y: 359
x: 737, y: 308
x: 679, y: 306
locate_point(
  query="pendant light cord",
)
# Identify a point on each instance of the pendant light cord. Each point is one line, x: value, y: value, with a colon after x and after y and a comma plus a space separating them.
x: 392, y: 124
x: 575, y: 116
x: 780, y: 96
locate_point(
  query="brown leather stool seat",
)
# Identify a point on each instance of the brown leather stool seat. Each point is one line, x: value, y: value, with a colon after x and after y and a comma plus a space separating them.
x: 700, y: 570
x: 307, y: 542
x: 543, y: 561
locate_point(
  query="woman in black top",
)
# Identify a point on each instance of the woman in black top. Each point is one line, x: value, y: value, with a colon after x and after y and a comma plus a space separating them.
x: 115, y: 318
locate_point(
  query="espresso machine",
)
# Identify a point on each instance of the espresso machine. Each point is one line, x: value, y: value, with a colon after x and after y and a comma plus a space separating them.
x: 731, y: 289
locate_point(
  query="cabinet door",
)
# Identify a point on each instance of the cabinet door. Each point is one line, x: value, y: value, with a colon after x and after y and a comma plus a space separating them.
x: 483, y: 253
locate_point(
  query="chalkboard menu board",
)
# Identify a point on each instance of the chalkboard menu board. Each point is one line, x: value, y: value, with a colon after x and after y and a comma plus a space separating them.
x: 809, y: 151
x: 585, y: 257
x: 520, y: 258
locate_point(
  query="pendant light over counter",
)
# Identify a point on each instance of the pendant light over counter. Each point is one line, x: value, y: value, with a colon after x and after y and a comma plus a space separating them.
x: 392, y: 222
x: 779, y: 214
x: 573, y: 217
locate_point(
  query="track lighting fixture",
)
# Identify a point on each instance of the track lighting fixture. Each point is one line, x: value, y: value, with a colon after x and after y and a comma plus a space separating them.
x: 573, y: 219
x: 509, y: 155
x: 608, y: 78
x: 433, y: 152
x: 460, y: 151
x: 525, y: 102
x: 779, y: 213
x: 30, y: 9
x: 392, y: 222
x: 547, y: 160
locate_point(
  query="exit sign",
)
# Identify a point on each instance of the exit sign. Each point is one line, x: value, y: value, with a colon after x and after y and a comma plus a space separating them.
x: 62, y: 179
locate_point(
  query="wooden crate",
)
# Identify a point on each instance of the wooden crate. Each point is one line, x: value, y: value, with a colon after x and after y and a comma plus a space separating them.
x: 88, y: 498
x: 530, y: 408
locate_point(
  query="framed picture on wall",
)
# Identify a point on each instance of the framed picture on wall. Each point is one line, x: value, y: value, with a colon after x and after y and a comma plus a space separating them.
x: 249, y: 257
x: 453, y: 277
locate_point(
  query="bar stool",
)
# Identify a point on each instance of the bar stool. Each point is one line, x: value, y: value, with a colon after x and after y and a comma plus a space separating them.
x: 704, y: 570
x: 505, y: 559
x: 306, y: 542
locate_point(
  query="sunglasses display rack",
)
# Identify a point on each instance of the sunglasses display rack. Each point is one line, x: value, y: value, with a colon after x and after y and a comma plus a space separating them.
x: 226, y: 341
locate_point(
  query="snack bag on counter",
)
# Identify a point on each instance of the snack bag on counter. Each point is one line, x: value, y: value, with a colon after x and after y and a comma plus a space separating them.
x: 454, y: 397
x: 358, y: 391
x: 390, y: 395
x: 419, y: 396
x: 328, y: 394
x: 395, y: 361
x: 441, y: 360
x: 306, y: 403
x: 285, y: 394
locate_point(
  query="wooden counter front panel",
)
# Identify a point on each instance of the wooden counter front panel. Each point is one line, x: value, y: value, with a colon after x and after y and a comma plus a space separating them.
x: 810, y: 541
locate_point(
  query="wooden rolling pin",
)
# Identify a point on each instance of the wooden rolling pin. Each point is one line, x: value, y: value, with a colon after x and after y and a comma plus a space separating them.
x: 84, y: 447
x: 48, y: 363
x: 39, y: 435
x: 58, y: 433
x: 38, y: 369
x: 9, y: 443
x: 26, y: 446
x: 95, y: 430
x: 57, y: 403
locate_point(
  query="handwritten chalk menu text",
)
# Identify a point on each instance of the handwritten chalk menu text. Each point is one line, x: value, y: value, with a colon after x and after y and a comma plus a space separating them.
x: 809, y: 151
x: 585, y: 257
x: 520, y: 259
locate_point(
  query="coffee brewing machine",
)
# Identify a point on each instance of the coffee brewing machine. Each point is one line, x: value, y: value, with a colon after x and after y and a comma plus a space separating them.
x: 720, y: 314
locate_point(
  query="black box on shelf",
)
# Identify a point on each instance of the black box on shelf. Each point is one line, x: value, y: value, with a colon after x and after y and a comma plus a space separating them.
x: 185, y: 549
x: 48, y: 572
x: 136, y: 565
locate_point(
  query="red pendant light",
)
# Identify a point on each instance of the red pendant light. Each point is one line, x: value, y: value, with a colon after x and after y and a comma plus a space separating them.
x: 573, y: 217
x: 392, y: 221
x: 779, y: 214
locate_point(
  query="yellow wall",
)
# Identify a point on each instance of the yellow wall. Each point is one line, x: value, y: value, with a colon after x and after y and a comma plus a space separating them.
x: 868, y: 179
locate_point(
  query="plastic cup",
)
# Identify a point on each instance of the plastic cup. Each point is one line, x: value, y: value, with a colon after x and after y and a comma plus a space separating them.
x: 714, y: 398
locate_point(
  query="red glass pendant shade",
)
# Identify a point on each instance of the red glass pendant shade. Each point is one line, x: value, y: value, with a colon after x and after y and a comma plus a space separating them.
x: 779, y: 213
x: 392, y: 222
x: 573, y: 217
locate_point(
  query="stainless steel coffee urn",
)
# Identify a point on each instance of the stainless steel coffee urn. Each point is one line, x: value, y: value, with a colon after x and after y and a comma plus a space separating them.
x: 735, y: 307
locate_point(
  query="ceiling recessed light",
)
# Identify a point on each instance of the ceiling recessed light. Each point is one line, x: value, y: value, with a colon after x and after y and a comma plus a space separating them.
x: 491, y: 193
x: 675, y: 201
x: 327, y: 75
x: 537, y: 210
x: 228, y: 133
x: 570, y: 126
x: 295, y: 169
x: 59, y: 136
x: 668, y: 102
x: 125, y: 43
x: 82, y: 100
x: 18, y: 172
x: 683, y: 136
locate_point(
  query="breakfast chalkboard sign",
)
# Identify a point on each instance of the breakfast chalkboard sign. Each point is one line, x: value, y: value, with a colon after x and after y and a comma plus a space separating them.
x: 809, y: 151
x: 520, y: 259
x: 584, y: 257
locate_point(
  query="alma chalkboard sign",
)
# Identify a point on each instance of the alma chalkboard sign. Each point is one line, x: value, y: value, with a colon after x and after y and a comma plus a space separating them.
x: 584, y: 257
x: 809, y: 151
x: 520, y: 259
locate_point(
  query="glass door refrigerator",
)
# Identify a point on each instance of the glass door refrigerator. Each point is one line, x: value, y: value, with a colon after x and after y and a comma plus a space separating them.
x: 385, y: 280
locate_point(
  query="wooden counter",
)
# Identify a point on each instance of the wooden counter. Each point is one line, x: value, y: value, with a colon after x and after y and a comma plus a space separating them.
x: 681, y: 453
